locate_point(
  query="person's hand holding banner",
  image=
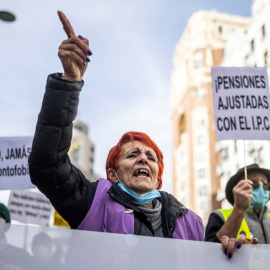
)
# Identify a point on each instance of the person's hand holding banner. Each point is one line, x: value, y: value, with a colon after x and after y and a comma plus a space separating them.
x: 230, y: 244
x: 73, y: 52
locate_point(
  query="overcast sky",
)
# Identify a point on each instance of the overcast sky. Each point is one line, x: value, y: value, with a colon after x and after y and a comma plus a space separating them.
x: 127, y: 84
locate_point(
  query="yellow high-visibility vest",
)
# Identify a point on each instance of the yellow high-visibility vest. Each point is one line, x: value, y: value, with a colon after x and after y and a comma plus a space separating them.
x: 244, y: 227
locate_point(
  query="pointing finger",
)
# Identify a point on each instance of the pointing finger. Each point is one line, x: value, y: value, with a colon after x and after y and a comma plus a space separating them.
x: 66, y: 24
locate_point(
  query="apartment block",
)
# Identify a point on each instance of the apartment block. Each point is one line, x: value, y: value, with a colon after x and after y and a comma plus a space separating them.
x: 195, y: 158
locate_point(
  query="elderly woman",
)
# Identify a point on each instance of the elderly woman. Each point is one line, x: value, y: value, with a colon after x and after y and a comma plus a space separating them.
x: 129, y: 202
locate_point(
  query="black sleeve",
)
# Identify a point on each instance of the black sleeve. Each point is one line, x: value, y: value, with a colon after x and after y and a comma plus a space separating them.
x: 50, y: 168
x: 215, y: 223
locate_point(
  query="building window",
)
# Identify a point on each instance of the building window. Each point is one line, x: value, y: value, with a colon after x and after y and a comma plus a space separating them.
x: 220, y: 29
x: 235, y: 146
x: 259, y: 157
x: 204, y: 206
x: 201, y: 156
x: 203, y: 190
x: 199, y: 92
x: 225, y: 154
x: 246, y: 60
x: 181, y: 127
x: 198, y: 58
x: 78, y: 127
x: 263, y: 31
x: 266, y: 58
x: 199, y: 123
x: 183, y: 185
x: 202, y: 173
x: 252, y: 45
x: 251, y: 151
x: 75, y: 156
x: 182, y: 124
x: 200, y: 139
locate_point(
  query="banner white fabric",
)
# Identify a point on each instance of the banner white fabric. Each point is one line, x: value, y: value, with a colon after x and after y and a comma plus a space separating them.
x: 75, y: 249
x: 14, y: 171
x: 241, y: 103
x: 30, y: 207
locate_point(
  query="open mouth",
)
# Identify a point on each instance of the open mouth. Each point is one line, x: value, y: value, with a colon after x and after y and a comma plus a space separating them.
x: 141, y: 173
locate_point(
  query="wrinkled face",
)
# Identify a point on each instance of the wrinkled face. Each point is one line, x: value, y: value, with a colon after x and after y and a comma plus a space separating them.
x: 138, y: 167
x: 255, y: 176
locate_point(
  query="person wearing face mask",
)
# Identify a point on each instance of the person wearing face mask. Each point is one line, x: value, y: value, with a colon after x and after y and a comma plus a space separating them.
x: 249, y: 214
x: 129, y: 201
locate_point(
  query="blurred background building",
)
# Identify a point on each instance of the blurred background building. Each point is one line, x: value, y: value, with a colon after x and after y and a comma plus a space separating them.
x: 201, y: 46
x: 82, y: 150
x: 250, y: 48
x: 202, y: 165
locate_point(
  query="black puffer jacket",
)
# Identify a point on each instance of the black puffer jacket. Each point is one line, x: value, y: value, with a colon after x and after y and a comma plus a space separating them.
x: 66, y: 187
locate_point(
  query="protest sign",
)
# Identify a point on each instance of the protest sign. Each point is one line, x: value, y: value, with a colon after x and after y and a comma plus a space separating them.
x: 241, y: 103
x: 30, y: 207
x: 14, y: 171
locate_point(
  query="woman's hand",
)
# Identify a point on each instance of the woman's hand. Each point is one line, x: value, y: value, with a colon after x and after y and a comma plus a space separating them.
x: 229, y: 244
x: 73, y: 52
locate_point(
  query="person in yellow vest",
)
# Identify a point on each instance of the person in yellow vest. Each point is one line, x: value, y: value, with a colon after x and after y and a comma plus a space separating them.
x: 250, y: 215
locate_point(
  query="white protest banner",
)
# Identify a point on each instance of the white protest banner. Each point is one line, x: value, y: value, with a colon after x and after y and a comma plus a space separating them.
x: 29, y: 207
x: 84, y: 250
x: 14, y: 171
x: 241, y: 103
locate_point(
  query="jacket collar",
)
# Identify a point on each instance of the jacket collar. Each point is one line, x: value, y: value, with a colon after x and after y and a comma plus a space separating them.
x: 169, y: 203
x: 172, y: 205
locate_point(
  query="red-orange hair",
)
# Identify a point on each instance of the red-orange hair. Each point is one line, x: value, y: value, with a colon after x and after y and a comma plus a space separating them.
x: 114, y: 153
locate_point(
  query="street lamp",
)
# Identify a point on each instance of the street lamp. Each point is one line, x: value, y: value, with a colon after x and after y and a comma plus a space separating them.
x: 7, y: 16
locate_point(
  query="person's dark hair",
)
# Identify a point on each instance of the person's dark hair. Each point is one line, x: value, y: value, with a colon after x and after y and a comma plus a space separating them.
x: 5, y: 212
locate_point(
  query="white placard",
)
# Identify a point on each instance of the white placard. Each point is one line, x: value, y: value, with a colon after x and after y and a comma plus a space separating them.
x: 241, y: 103
x: 14, y: 171
x: 29, y: 207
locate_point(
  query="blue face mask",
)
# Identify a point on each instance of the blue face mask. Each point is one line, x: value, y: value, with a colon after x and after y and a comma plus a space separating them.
x: 260, y: 197
x: 141, y: 198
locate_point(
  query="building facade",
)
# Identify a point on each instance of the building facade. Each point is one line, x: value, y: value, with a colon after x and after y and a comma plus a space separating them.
x: 82, y: 150
x: 248, y: 49
x: 194, y: 156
